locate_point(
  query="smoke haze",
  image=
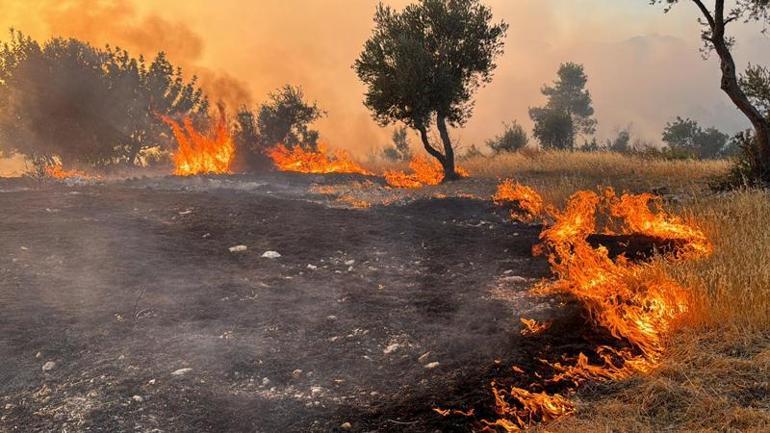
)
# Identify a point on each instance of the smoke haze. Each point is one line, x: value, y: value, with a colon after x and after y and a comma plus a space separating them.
x: 644, y: 66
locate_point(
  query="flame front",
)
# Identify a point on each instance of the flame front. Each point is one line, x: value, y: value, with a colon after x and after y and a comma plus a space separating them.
x: 56, y: 171
x: 635, y: 303
x: 300, y: 160
x: 202, y: 152
x: 424, y: 172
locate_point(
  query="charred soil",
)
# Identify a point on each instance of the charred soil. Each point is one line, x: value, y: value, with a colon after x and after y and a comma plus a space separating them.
x: 146, y: 321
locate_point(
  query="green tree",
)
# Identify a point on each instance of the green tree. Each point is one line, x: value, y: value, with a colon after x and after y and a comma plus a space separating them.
x: 554, y: 129
x: 422, y: 66
x: 686, y: 136
x: 250, y: 155
x: 64, y: 100
x: 401, y: 149
x: 715, y: 21
x: 286, y: 118
x: 512, y: 139
x: 567, y: 96
x: 621, y: 143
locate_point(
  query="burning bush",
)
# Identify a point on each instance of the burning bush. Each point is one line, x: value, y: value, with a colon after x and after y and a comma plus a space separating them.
x: 66, y: 100
x: 202, y: 152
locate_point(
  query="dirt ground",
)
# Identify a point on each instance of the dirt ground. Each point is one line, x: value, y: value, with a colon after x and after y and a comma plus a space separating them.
x: 123, y: 309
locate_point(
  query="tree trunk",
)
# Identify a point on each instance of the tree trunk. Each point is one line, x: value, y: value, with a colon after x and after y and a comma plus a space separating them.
x: 430, y: 149
x: 731, y: 87
x: 449, y: 155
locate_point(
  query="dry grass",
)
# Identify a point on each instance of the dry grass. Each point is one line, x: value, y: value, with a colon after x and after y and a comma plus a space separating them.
x: 716, y: 372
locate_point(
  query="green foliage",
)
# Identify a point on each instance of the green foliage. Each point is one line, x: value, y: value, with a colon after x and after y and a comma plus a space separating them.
x: 424, y: 64
x: 567, y: 97
x: 687, y: 137
x: 66, y: 100
x: 755, y: 82
x: 250, y: 156
x: 621, y: 143
x: 286, y: 118
x: 401, y: 149
x: 513, y: 139
x: 472, y: 152
x: 554, y: 129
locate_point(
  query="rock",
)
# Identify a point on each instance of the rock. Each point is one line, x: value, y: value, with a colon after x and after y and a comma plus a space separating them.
x: 423, y: 357
x: 432, y: 365
x: 265, y: 381
x: 137, y: 398
x: 316, y: 391
x: 296, y: 373
x: 48, y: 366
x: 346, y: 426
x: 391, y: 348
x: 185, y: 212
x: 151, y: 382
x: 181, y: 371
x: 350, y: 262
x: 238, y: 248
x: 39, y: 355
x: 271, y: 255
x: 312, y: 267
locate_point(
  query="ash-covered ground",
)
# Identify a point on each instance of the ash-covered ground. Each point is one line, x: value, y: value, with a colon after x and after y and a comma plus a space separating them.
x: 123, y: 309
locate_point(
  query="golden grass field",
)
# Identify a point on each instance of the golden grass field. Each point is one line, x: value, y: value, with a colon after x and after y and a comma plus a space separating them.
x: 715, y: 377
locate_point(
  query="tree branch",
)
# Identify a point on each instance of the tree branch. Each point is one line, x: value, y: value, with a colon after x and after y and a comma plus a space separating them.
x: 706, y: 13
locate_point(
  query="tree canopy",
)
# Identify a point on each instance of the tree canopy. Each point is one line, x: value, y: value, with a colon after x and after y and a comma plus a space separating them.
x: 568, y: 111
x: 423, y: 65
x: 65, y: 99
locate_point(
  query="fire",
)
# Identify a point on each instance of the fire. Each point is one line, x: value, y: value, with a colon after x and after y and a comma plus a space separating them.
x: 318, y: 162
x: 202, y: 152
x: 635, y: 303
x: 533, y: 327
x: 526, y: 198
x: 424, y: 172
x: 56, y: 171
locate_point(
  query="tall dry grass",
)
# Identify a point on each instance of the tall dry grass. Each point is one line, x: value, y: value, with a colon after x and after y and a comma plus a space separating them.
x: 716, y: 375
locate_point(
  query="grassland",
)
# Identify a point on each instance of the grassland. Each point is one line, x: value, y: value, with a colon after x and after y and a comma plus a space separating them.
x: 716, y: 372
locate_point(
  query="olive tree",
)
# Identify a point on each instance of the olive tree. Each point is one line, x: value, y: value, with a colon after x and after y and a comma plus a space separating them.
x: 715, y: 17
x: 422, y: 66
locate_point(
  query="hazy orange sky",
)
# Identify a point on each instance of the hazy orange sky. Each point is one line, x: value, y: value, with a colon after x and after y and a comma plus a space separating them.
x: 644, y: 66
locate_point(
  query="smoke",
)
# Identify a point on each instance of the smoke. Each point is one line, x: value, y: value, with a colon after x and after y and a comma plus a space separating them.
x: 644, y: 66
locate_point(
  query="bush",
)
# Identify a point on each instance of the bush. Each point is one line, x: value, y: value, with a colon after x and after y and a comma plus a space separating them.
x: 513, y: 139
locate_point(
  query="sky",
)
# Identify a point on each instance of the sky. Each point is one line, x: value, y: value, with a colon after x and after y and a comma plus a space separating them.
x: 644, y: 66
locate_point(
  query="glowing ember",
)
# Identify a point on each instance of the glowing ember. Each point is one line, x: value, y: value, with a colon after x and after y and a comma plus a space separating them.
x: 424, y: 172
x: 307, y: 161
x: 533, y: 327
x: 635, y: 303
x: 202, y: 152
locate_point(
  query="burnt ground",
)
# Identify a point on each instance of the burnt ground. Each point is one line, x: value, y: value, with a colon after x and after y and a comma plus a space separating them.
x: 369, y: 317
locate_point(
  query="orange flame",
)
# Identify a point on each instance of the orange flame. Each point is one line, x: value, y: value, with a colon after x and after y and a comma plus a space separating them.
x: 56, y: 171
x: 424, y: 172
x: 533, y: 327
x: 637, y: 305
x: 202, y: 152
x: 526, y: 198
x: 318, y: 162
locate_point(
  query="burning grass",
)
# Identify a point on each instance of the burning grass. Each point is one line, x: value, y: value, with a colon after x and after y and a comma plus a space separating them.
x: 319, y: 161
x: 634, y: 302
x: 424, y: 171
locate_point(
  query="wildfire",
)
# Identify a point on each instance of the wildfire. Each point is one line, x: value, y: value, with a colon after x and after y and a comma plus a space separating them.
x: 202, y: 152
x: 424, y: 172
x: 318, y: 162
x: 526, y: 198
x: 56, y: 171
x: 634, y: 303
x: 533, y: 327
